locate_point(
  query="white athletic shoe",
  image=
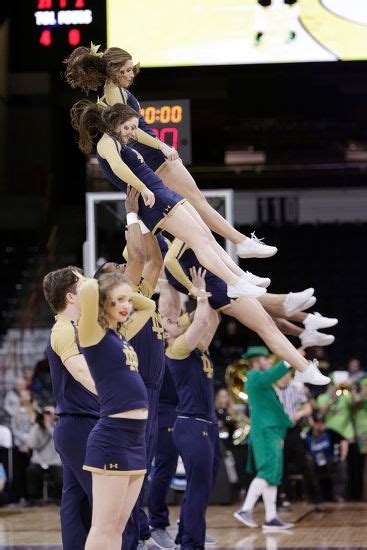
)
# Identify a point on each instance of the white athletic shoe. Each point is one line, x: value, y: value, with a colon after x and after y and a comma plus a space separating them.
x: 296, y: 300
x: 246, y: 289
x: 312, y: 375
x: 314, y: 321
x: 311, y: 338
x: 310, y: 303
x: 255, y: 248
x: 255, y: 280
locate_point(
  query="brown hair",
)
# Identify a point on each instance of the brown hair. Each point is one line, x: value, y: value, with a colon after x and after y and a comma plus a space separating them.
x: 57, y: 284
x: 91, y: 120
x: 89, y: 71
x: 107, y: 282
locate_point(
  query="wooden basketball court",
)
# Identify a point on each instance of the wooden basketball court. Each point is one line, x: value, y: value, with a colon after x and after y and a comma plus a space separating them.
x: 341, y: 526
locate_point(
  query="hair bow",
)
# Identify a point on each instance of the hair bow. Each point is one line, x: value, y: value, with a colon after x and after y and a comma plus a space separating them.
x: 94, y: 49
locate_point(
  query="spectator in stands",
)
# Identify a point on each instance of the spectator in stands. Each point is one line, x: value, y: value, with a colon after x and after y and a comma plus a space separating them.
x: 328, y: 451
x: 21, y: 423
x: 41, y: 383
x: 12, y: 397
x: 45, y: 462
x: 296, y: 404
x: 358, y: 460
x: 28, y: 377
x: 355, y: 370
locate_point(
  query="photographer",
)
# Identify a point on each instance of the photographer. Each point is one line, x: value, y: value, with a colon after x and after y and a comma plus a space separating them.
x: 44, y: 461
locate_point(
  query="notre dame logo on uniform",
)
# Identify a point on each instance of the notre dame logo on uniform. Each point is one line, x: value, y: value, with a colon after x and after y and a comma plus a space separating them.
x: 157, y: 326
x: 130, y: 357
x: 113, y: 466
x: 207, y: 366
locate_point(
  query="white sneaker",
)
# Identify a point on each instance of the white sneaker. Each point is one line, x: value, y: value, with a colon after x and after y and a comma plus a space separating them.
x: 255, y: 248
x: 296, y: 300
x: 312, y: 375
x: 310, y: 303
x: 243, y: 288
x: 311, y: 338
x: 255, y: 280
x: 314, y: 321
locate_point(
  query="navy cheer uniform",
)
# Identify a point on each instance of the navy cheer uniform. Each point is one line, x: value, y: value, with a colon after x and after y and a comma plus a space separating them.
x: 165, y: 462
x: 78, y: 411
x: 154, y: 158
x: 165, y: 199
x: 178, y: 259
x: 116, y: 446
x: 149, y: 346
x: 195, y: 435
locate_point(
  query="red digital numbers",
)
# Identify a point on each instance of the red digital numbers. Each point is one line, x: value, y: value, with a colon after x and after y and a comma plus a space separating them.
x: 44, y: 4
x: 167, y: 135
x: 80, y: 4
x: 62, y: 4
x: 45, y: 38
x: 74, y: 37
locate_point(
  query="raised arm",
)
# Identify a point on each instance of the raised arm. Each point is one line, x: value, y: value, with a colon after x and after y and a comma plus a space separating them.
x: 169, y: 303
x: 200, y: 324
x: 107, y: 150
x: 172, y: 264
x: 143, y: 310
x: 134, y: 239
x: 154, y: 260
x: 89, y: 330
x: 264, y: 379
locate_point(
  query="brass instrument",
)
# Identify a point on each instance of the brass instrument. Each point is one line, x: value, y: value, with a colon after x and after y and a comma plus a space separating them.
x: 343, y: 389
x: 236, y: 377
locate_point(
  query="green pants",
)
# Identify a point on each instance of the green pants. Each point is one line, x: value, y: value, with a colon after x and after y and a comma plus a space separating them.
x: 267, y: 446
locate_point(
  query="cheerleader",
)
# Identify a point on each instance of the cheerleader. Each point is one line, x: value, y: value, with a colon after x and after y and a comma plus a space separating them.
x: 116, y: 450
x: 195, y: 431
x: 178, y: 260
x: 159, y: 207
x: 88, y: 69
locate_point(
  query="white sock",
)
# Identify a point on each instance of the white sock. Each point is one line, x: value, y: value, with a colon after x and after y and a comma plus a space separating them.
x: 293, y: 13
x: 260, y: 18
x: 269, y: 495
x: 254, y: 492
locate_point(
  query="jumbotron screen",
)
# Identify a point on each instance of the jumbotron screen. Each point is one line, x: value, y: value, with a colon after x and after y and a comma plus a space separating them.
x: 164, y: 33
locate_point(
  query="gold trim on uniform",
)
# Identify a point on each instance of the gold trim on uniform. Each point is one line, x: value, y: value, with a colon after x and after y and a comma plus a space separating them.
x: 156, y: 227
x: 106, y: 472
x: 161, y: 167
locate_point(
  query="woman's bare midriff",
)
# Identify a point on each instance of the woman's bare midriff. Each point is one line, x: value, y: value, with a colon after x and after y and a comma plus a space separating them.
x: 135, y: 414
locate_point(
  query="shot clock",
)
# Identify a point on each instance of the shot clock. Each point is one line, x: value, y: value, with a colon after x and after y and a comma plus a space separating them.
x: 170, y: 121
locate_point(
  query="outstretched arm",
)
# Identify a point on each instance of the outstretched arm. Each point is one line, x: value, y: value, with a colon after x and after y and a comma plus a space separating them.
x: 107, y: 150
x: 154, y: 260
x: 200, y: 323
x: 134, y: 239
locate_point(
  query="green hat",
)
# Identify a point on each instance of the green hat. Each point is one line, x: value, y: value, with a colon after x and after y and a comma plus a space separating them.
x: 256, y: 351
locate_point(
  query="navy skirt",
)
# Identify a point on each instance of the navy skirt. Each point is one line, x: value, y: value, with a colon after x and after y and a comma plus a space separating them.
x: 116, y: 446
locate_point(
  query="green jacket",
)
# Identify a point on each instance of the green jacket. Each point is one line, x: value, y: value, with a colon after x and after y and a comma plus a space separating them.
x: 265, y: 408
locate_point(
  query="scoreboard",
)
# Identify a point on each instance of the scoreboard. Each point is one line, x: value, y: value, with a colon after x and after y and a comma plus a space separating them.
x: 170, y: 120
x: 44, y: 32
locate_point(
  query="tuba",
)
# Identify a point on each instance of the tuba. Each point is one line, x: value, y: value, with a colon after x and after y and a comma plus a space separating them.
x: 236, y: 377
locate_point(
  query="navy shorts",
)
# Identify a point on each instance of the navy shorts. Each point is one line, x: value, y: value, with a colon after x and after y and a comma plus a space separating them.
x: 154, y: 158
x: 116, y: 446
x: 218, y: 289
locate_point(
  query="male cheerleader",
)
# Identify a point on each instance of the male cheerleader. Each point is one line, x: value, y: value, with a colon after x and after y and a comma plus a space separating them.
x: 269, y: 424
x: 195, y: 431
x: 76, y: 405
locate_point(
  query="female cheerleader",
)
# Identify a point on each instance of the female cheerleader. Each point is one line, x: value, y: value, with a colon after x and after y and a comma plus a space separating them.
x: 116, y: 450
x: 114, y: 69
x: 159, y: 207
x: 179, y: 259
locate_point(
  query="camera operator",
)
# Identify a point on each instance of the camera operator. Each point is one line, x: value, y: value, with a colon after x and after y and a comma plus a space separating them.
x: 44, y: 461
